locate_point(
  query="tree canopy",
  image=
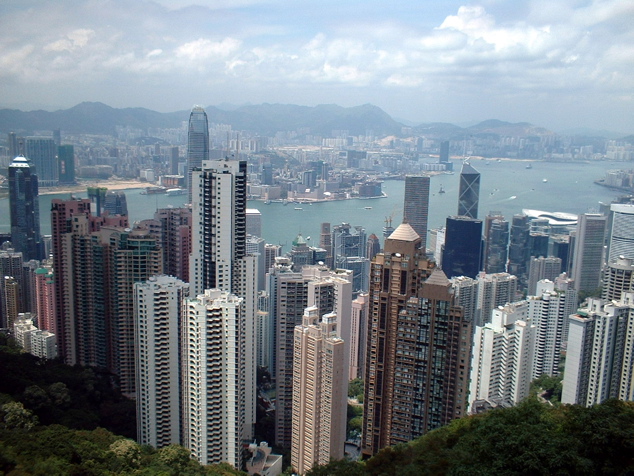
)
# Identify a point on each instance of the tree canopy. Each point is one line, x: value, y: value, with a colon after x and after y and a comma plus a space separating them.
x: 530, y: 439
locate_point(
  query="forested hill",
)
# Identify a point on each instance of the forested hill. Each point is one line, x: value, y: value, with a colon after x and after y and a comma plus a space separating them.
x: 530, y: 439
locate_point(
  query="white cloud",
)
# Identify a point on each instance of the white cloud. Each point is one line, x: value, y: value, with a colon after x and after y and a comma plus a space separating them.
x: 203, y: 49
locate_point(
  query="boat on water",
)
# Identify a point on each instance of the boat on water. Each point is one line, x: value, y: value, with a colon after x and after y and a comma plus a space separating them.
x: 529, y: 166
x: 298, y: 208
x: 175, y: 191
x: 545, y: 180
x: 442, y: 190
x: 368, y: 208
x: 153, y: 190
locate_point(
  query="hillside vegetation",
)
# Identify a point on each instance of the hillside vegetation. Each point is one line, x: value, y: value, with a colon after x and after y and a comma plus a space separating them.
x: 530, y: 439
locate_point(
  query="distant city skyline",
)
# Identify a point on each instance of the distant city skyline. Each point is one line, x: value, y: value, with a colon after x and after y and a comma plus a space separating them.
x: 561, y: 65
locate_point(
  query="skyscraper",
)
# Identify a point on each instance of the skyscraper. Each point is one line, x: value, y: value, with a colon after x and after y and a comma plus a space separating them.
x: 496, y: 243
x: 62, y: 212
x: 587, y: 260
x: 173, y: 229
x: 219, y: 224
x: 358, y: 335
x: 444, y: 152
x: 519, y: 252
x: 549, y: 310
x: 502, y: 361
x: 197, y: 143
x: 25, y: 209
x: 599, y: 361
x: 416, y: 204
x: 115, y: 203
x: 373, y: 246
x: 45, y: 296
x: 462, y: 253
x: 219, y: 262
x: 494, y: 290
x: 291, y: 293
x: 216, y: 365
x: 157, y: 308
x: 417, y: 338
x: 325, y: 242
x: 542, y: 268
x: 66, y: 163
x: 347, y: 241
x: 469, y: 191
x: 618, y: 278
x: 94, y: 274
x: 42, y: 152
x: 319, y: 392
x: 621, y: 242
x: 174, y: 158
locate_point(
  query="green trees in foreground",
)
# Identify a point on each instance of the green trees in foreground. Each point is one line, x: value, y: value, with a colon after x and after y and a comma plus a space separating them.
x: 529, y: 439
x: 57, y: 450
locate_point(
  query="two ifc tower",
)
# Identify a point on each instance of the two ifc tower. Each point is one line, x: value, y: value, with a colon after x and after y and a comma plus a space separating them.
x: 462, y: 254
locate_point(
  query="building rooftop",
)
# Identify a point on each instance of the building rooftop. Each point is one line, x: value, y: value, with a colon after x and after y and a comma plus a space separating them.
x: 404, y: 232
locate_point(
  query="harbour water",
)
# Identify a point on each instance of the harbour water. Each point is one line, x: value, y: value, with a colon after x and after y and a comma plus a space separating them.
x: 506, y: 186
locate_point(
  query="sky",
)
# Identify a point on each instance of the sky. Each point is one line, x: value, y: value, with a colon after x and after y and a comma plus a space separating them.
x: 560, y: 64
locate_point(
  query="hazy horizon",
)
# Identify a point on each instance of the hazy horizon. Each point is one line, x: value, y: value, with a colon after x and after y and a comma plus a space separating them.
x: 561, y: 65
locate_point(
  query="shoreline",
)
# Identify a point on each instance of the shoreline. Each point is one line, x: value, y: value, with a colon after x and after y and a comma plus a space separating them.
x: 83, y: 186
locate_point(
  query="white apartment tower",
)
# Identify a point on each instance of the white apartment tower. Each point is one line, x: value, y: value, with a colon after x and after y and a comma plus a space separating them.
x: 214, y: 369
x: 502, y: 358
x: 359, y: 335
x: 219, y: 225
x: 465, y: 295
x: 542, y: 268
x: 549, y: 310
x: 617, y: 278
x: 494, y: 289
x: 220, y: 262
x: 319, y: 392
x: 157, y: 308
x: 599, y: 362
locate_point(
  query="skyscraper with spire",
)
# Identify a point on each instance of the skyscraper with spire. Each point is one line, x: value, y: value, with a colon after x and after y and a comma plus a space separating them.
x: 197, y: 143
x: 25, y: 209
x: 469, y: 191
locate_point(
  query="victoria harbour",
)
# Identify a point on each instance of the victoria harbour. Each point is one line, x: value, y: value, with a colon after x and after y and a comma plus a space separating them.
x: 506, y: 186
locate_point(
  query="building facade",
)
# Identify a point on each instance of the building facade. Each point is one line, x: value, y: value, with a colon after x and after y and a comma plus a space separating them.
x: 216, y: 419
x: 469, y: 191
x: 416, y: 204
x: 417, y: 338
x: 502, y: 358
x: 319, y: 392
x: 587, y: 260
x: 197, y: 143
x: 157, y: 308
x: 25, y: 209
x: 462, y: 252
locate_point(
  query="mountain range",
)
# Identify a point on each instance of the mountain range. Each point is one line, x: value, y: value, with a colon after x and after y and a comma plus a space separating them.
x: 263, y: 119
